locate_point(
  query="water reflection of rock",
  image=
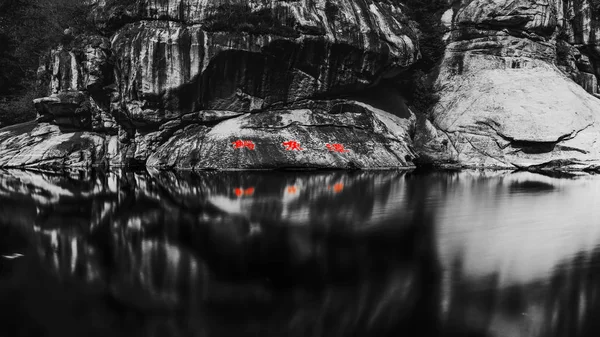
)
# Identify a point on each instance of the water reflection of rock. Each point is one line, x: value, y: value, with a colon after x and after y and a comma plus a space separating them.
x: 565, y: 304
x: 523, y: 233
x: 525, y: 263
x: 164, y: 249
x: 446, y: 254
x: 348, y: 199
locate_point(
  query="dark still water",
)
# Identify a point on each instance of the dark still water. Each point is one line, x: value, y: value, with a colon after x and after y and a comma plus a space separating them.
x: 299, y: 254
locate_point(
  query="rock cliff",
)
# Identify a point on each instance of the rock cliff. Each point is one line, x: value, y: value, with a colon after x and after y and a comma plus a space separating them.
x: 211, y: 85
x: 507, y: 86
x: 306, y: 84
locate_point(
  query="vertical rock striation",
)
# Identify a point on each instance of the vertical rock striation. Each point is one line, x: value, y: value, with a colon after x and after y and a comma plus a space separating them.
x: 203, y: 84
x: 200, y: 75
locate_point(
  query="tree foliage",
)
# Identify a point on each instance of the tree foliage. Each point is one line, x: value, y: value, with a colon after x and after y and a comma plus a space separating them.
x: 28, y: 29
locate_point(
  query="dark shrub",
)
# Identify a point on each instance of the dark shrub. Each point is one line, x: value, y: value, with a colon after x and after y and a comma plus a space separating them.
x: 18, y: 109
x: 28, y: 29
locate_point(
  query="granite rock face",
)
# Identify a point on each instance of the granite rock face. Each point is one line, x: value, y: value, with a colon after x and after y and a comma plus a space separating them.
x: 231, y: 84
x: 178, y: 61
x: 200, y: 75
x: 302, y: 138
x: 47, y: 145
x: 508, y: 92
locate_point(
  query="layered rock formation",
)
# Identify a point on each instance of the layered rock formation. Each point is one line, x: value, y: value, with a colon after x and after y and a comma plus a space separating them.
x: 189, y: 79
x: 508, y: 96
x: 267, y: 84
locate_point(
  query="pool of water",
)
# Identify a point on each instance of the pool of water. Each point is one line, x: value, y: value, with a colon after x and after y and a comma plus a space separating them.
x: 470, y: 253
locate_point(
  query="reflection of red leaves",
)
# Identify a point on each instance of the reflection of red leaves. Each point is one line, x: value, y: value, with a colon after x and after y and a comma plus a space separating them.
x: 240, y: 191
x: 292, y: 145
x: 240, y: 144
x: 292, y: 189
x: 337, y: 188
x: 337, y: 148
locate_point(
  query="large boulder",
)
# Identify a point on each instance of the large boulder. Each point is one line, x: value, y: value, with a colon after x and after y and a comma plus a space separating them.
x: 356, y: 136
x: 504, y: 101
x: 45, y: 145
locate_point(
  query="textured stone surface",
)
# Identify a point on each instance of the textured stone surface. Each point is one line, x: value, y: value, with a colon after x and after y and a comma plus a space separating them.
x: 569, y: 27
x: 516, y: 118
x: 370, y: 139
x: 185, y: 61
x: 177, y: 82
x: 47, y: 146
x: 81, y: 64
x: 174, y: 73
x: 504, y: 102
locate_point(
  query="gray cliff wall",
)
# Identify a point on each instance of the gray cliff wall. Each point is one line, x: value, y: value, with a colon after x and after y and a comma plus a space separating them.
x: 507, y: 86
x: 190, y: 78
x: 227, y: 84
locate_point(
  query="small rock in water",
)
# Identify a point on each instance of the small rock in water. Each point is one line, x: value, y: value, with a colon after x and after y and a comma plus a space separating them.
x: 12, y: 256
